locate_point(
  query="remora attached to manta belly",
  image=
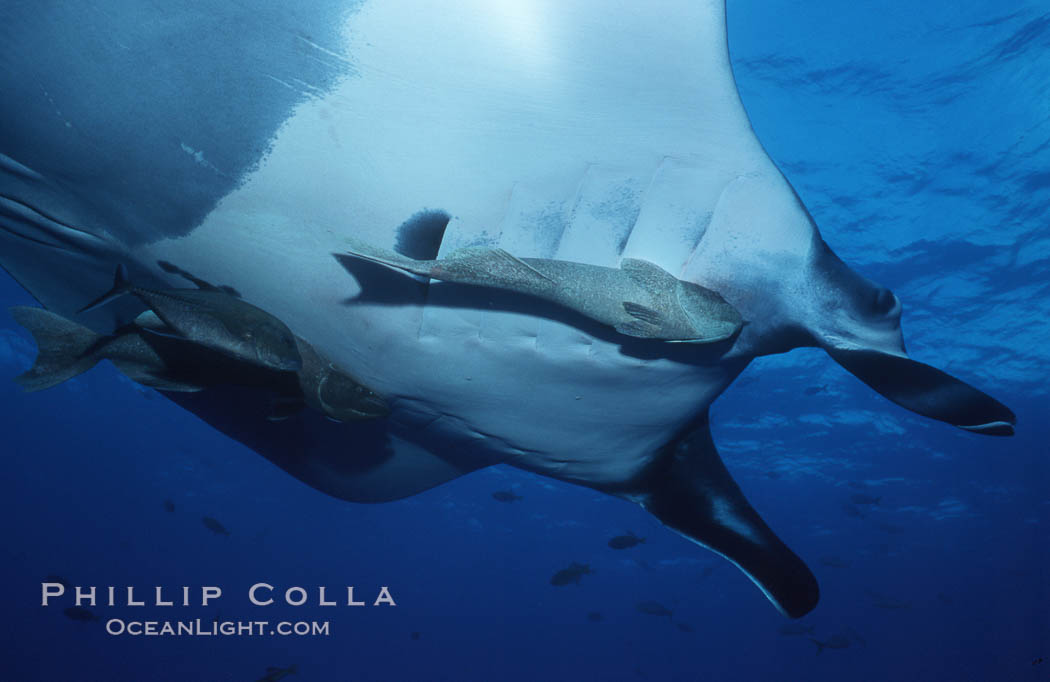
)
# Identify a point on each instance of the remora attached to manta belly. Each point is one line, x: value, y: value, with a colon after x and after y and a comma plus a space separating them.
x: 215, y: 319
x: 168, y: 363
x: 639, y: 299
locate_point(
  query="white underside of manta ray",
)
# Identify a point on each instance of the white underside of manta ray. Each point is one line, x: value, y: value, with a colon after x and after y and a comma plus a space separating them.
x: 570, y: 130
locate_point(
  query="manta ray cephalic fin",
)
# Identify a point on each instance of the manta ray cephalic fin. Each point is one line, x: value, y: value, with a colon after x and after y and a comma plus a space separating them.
x: 690, y: 490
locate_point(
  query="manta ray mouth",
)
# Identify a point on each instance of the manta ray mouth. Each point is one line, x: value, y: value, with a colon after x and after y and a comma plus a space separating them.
x: 927, y: 391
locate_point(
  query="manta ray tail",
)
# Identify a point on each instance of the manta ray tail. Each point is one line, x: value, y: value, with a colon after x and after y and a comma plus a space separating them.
x: 64, y: 348
x: 691, y: 491
x: 121, y: 286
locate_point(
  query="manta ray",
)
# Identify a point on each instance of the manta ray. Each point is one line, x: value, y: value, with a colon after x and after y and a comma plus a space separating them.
x: 247, y: 144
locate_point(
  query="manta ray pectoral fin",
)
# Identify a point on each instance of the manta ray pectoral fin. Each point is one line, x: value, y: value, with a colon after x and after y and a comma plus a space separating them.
x: 927, y: 391
x: 690, y: 490
x: 357, y: 462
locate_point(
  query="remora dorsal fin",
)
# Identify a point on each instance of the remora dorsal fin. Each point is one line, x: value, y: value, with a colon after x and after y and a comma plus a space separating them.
x: 690, y: 490
x: 121, y: 286
x: 516, y: 263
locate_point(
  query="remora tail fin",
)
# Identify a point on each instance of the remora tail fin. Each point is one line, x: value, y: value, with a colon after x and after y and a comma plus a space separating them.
x: 690, y: 490
x: 374, y: 254
x: 64, y: 348
x: 121, y: 286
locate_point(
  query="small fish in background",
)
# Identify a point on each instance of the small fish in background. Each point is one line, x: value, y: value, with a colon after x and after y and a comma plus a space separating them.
x: 58, y: 579
x: 834, y: 561
x: 813, y: 390
x: 685, y: 627
x: 625, y: 541
x: 79, y: 613
x: 1038, y: 661
x: 274, y: 674
x: 850, y: 510
x: 890, y: 528
x: 884, y: 601
x: 595, y: 617
x: 833, y: 642
x: 570, y: 575
x: 414, y: 636
x: 169, y: 506
x: 793, y: 629
x: 214, y: 526
x: 852, y: 635
x: 506, y: 496
x: 652, y: 608
x: 707, y: 572
x: 862, y: 498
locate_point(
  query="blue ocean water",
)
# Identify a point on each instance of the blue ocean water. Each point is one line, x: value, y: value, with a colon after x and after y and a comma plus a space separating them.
x: 919, y: 138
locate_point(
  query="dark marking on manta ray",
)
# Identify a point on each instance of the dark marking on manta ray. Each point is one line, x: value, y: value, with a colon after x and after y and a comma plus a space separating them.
x: 420, y: 236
